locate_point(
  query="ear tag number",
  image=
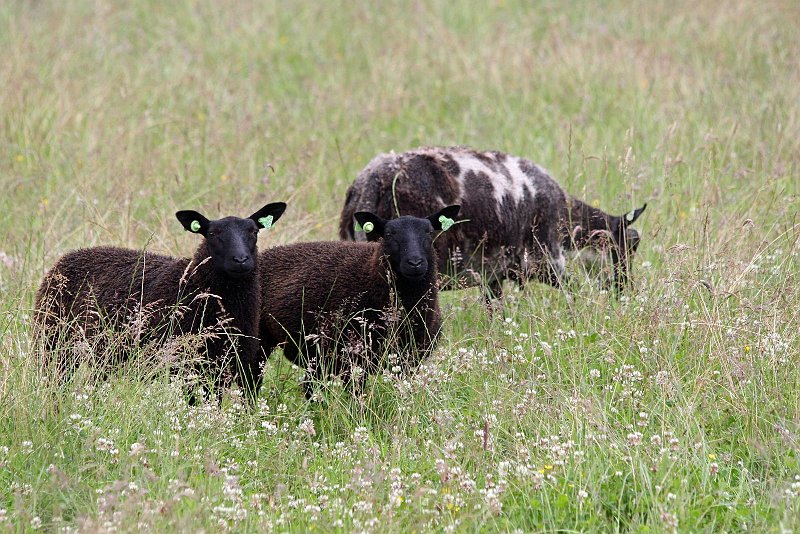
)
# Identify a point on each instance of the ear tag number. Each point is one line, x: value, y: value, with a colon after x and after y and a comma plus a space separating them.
x: 195, y: 226
x: 368, y: 227
x: 446, y: 222
x: 266, y: 222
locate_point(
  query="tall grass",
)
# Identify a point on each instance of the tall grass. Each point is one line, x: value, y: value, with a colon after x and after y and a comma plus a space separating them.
x: 675, y: 408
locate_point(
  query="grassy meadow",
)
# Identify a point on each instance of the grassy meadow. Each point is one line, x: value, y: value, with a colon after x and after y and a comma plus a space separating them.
x: 676, y: 408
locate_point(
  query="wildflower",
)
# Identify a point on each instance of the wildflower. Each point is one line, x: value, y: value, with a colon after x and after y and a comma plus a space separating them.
x: 307, y: 426
x: 594, y: 373
x: 643, y: 417
x: 669, y: 520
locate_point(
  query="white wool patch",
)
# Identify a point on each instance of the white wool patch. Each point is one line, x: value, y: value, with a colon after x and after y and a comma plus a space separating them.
x: 501, y: 186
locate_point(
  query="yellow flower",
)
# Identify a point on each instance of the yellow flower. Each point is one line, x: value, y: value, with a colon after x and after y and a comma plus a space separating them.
x: 223, y: 178
x: 548, y: 467
x: 747, y: 348
x: 20, y: 158
x: 712, y: 456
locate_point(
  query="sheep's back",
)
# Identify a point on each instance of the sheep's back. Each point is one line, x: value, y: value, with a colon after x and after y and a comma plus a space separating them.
x: 507, y: 203
x: 302, y: 281
x: 104, y: 279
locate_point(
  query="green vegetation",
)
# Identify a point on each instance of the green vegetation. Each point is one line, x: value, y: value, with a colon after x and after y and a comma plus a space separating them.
x: 675, y: 408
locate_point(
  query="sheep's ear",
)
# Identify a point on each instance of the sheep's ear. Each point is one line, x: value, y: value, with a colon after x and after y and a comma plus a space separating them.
x: 370, y: 224
x: 268, y: 215
x: 630, y: 217
x: 444, y: 218
x: 193, y: 221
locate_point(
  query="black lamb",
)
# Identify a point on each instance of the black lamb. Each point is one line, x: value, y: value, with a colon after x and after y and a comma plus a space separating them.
x: 338, y: 308
x: 152, y: 298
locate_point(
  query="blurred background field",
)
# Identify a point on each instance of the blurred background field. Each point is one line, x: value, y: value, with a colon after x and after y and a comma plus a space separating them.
x: 677, y: 408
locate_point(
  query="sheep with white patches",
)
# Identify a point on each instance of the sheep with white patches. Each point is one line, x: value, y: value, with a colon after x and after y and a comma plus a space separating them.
x: 93, y: 290
x: 517, y: 223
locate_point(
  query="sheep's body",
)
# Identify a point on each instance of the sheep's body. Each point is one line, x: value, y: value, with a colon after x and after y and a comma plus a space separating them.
x: 519, y: 223
x: 150, y: 297
x: 129, y: 297
x: 335, y: 306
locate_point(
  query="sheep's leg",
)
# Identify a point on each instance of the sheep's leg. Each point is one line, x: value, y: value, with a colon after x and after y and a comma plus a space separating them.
x: 292, y: 353
x: 308, y: 389
x: 553, y: 270
x: 249, y: 380
x: 493, y: 295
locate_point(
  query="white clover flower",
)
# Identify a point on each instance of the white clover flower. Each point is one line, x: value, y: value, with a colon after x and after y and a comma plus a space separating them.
x: 634, y: 438
x: 307, y: 426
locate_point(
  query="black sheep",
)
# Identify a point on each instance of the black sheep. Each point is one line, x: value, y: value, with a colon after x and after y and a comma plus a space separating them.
x: 338, y: 306
x: 519, y: 223
x: 217, y: 292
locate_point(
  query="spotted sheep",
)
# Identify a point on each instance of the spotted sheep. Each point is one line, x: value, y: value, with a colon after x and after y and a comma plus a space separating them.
x: 517, y: 223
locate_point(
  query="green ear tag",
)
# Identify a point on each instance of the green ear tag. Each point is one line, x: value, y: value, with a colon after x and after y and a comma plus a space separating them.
x: 446, y: 222
x: 629, y: 215
x: 357, y: 227
x: 368, y: 227
x: 266, y: 222
x: 195, y: 226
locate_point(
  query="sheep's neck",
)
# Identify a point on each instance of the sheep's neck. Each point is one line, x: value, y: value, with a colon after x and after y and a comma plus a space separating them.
x: 415, y: 295
x: 239, y: 295
x: 587, y: 217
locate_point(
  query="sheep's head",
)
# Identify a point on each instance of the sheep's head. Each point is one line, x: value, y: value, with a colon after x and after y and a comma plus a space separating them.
x: 613, y: 243
x: 231, y: 241
x: 408, y: 241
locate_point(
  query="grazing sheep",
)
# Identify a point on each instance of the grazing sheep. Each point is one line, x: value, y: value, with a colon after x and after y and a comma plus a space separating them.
x: 337, y: 307
x: 215, y: 292
x: 518, y: 222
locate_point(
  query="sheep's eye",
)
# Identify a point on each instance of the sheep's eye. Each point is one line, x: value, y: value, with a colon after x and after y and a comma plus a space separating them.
x: 212, y: 234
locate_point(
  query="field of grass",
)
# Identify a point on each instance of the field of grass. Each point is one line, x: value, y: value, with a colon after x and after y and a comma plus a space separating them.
x: 675, y: 408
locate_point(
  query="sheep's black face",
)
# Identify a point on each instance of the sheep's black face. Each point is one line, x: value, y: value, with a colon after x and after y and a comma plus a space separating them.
x: 408, y: 241
x: 408, y: 244
x: 232, y: 244
x: 231, y: 241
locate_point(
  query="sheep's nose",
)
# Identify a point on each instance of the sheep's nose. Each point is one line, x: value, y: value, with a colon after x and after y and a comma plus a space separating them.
x: 241, y: 259
x: 415, y: 263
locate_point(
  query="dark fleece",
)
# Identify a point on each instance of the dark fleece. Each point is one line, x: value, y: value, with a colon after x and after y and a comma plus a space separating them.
x: 332, y: 305
x: 97, y: 288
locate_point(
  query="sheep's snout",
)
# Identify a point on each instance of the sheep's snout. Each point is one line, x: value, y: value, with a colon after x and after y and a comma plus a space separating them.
x: 414, y: 268
x: 239, y: 265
